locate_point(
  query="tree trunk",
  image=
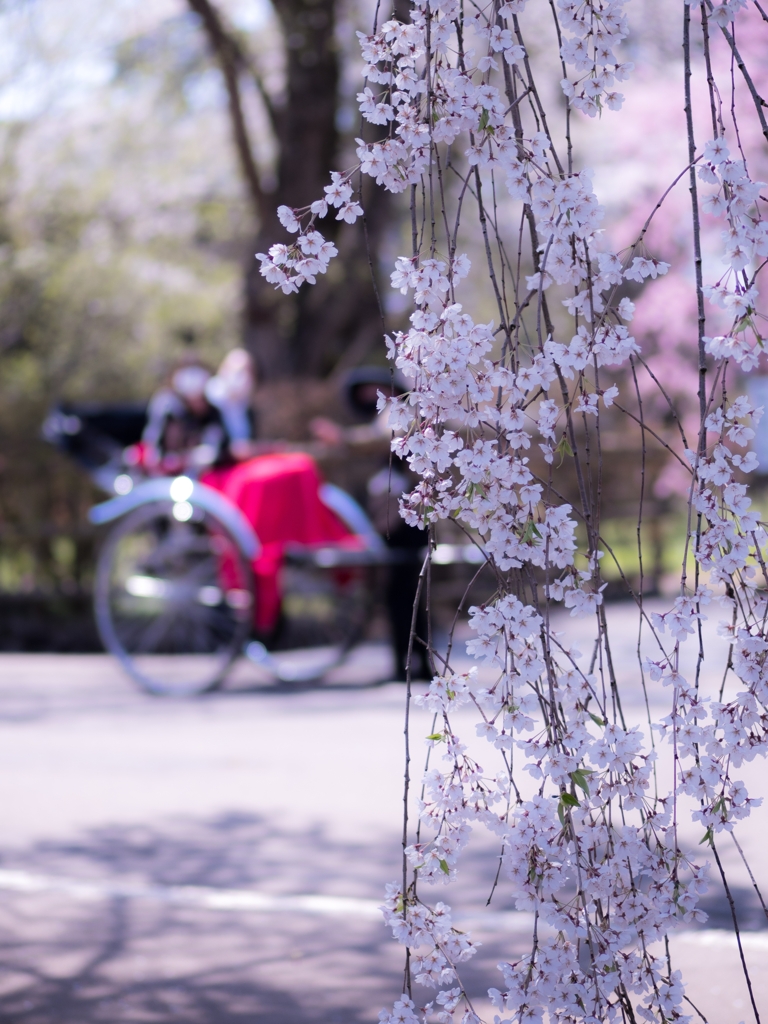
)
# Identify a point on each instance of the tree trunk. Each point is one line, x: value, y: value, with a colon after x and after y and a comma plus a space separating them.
x: 334, y: 323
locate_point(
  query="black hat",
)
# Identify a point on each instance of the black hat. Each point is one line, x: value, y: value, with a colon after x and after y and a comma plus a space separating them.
x: 381, y: 376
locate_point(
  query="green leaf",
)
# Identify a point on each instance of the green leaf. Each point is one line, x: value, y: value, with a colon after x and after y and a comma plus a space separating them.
x: 579, y: 778
x: 483, y: 120
x: 474, y: 489
x: 563, y: 448
x: 437, y: 736
x: 530, y: 532
x: 444, y: 867
x: 596, y: 719
x: 569, y: 800
x: 708, y: 837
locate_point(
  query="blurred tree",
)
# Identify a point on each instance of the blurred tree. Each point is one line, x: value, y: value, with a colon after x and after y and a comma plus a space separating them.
x: 334, y: 324
x: 120, y: 248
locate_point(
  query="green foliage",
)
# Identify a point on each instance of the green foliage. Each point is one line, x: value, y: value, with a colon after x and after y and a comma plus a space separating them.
x: 122, y: 229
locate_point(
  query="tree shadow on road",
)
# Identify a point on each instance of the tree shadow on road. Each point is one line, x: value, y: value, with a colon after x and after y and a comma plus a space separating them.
x: 233, y: 849
x: 123, y: 962
x: 111, y: 959
x: 122, y: 958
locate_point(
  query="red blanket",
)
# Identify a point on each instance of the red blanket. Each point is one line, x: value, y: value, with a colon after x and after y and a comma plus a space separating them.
x: 279, y: 496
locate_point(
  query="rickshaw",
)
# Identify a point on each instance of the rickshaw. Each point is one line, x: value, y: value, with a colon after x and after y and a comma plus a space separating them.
x: 174, y: 593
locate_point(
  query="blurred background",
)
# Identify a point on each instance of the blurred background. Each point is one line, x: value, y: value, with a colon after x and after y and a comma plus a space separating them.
x: 144, y: 150
x: 143, y: 153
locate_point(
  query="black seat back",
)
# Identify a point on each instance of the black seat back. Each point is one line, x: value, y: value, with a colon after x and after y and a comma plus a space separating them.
x: 95, y: 433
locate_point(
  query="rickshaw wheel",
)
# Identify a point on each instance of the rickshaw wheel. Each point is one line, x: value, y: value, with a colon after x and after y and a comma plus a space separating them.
x: 325, y: 609
x: 173, y: 598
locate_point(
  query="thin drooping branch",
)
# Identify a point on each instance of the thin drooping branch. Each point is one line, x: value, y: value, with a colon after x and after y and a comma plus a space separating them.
x: 749, y: 872
x: 737, y: 931
x: 693, y: 186
x: 717, y: 126
x: 757, y: 99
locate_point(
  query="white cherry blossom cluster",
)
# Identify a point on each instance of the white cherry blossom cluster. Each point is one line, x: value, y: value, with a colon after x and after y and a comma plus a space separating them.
x: 746, y: 246
x: 484, y: 482
x: 437, y: 946
x: 593, y: 853
x: 562, y: 840
x: 289, y: 266
x: 558, y: 841
x: 568, y: 215
x: 595, y: 29
x: 714, y: 738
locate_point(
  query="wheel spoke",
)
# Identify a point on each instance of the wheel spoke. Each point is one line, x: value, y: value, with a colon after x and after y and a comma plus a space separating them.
x: 156, y: 631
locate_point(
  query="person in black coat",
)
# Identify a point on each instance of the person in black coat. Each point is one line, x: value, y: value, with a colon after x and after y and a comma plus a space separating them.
x: 407, y: 543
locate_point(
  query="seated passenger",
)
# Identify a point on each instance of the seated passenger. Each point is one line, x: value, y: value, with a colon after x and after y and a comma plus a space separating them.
x: 184, y: 429
x: 231, y: 392
x: 373, y: 434
x: 200, y: 419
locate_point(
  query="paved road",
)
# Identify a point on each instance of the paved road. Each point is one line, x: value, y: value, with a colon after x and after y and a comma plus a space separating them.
x: 219, y: 860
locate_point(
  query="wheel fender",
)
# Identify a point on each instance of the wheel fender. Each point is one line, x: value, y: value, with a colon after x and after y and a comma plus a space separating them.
x: 169, y: 489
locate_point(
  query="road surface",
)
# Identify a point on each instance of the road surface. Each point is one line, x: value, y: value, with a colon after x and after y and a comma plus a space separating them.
x: 220, y: 860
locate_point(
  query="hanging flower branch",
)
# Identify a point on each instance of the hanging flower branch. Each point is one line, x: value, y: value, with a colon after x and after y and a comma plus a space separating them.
x: 593, y: 848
